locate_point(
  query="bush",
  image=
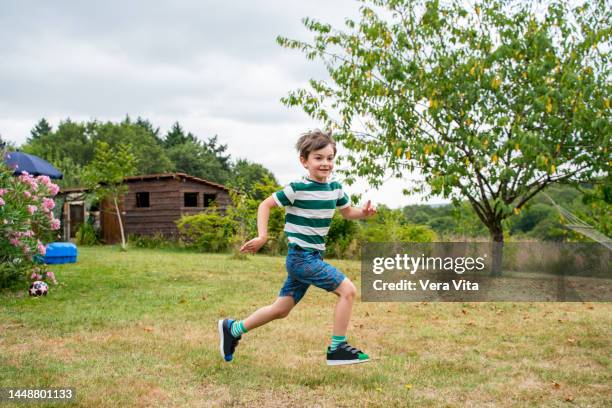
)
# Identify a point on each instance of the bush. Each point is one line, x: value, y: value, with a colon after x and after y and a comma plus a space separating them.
x: 207, y: 232
x: 86, y: 235
x: 26, y: 221
x: 342, y: 238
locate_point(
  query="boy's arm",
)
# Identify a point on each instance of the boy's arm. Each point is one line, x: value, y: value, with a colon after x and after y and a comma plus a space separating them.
x: 352, y: 213
x: 263, y: 215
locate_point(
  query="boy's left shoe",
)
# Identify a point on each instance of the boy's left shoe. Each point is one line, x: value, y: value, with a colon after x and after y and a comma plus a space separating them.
x: 346, y: 354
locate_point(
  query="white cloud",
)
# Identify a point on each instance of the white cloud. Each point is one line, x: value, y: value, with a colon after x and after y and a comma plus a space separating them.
x: 213, y: 66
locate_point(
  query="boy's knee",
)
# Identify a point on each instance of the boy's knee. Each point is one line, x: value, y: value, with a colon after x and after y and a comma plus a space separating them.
x: 349, y: 290
x: 281, y: 312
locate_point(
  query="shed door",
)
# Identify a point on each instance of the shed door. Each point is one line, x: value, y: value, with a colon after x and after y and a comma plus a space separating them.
x: 77, y: 215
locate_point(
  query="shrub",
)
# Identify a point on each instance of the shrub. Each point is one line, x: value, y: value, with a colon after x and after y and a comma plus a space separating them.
x: 208, y: 231
x: 26, y: 221
x: 86, y: 235
x: 342, y: 238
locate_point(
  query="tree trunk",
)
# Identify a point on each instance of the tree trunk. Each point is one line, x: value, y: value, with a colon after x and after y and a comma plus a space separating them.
x: 497, y: 248
x: 123, y: 246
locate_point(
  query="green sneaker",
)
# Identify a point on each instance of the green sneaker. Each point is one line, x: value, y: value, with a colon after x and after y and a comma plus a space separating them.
x: 346, y: 354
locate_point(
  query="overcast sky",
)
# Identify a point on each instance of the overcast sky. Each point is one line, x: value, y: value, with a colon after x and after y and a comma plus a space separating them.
x: 213, y: 66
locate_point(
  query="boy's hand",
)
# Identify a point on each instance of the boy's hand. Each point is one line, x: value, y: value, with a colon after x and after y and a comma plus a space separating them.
x: 368, y: 209
x: 253, y: 245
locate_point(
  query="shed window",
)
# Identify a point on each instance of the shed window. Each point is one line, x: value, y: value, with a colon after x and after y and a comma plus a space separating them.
x: 142, y: 200
x: 191, y: 199
x: 209, y: 199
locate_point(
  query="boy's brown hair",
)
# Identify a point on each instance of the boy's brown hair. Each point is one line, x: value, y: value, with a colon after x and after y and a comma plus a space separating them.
x: 314, y: 140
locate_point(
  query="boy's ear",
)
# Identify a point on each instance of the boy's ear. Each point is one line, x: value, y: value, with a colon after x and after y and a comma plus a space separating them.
x: 303, y: 161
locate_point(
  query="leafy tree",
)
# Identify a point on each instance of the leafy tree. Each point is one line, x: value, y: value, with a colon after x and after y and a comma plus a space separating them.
x: 245, y: 176
x: 105, y: 174
x: 531, y: 217
x: 42, y: 128
x: 71, y: 139
x: 151, y: 158
x: 195, y: 159
x: 219, y: 151
x: 176, y: 136
x: 148, y: 127
x: 490, y: 103
x: 598, y: 202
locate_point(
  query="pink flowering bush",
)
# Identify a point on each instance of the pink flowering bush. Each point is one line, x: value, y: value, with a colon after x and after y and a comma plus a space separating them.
x: 26, y: 223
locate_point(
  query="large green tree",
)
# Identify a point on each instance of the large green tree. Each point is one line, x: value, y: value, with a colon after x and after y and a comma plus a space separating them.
x: 42, y: 128
x: 491, y: 102
x: 70, y: 139
x: 195, y: 159
x: 151, y: 157
x: 246, y: 175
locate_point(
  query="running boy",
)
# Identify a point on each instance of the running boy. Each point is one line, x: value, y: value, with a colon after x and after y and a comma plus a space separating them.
x: 309, y: 206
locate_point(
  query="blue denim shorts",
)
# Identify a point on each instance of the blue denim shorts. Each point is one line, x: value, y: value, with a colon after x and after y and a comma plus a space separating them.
x: 305, y: 268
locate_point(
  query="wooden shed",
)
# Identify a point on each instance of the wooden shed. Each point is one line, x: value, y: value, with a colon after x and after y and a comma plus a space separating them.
x: 153, y: 203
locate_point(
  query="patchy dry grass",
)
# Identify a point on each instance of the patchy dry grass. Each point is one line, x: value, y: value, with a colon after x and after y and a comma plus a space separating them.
x: 139, y: 329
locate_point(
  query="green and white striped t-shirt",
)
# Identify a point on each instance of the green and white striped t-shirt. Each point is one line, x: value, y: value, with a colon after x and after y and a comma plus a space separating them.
x: 309, y: 208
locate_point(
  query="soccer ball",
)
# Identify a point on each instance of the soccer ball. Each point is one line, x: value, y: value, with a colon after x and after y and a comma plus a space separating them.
x: 38, y: 288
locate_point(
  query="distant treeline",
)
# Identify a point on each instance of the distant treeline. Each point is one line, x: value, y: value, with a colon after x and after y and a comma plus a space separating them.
x: 538, y: 221
x: 71, y: 147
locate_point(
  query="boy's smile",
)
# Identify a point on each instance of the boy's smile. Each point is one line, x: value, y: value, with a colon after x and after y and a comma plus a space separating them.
x: 320, y: 163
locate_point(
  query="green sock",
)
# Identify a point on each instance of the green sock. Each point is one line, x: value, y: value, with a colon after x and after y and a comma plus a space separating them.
x: 336, y: 340
x: 238, y: 328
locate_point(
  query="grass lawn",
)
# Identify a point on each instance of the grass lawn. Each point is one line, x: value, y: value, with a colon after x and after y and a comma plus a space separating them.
x: 140, y: 329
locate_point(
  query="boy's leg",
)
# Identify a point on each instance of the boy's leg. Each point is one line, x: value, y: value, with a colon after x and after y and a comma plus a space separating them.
x: 340, y: 352
x: 342, y: 313
x: 277, y: 310
x: 230, y: 331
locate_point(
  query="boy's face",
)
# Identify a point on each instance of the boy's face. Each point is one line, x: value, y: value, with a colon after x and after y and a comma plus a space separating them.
x: 320, y: 163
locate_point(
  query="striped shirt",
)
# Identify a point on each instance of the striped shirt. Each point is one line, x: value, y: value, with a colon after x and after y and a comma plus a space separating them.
x: 309, y: 208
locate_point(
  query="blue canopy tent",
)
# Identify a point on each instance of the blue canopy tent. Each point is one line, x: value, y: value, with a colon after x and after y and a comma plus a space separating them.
x: 34, y: 165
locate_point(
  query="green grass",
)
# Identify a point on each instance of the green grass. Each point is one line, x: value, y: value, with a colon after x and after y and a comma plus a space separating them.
x: 139, y: 329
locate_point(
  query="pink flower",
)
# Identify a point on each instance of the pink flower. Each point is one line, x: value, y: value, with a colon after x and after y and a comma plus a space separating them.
x: 51, y: 276
x: 2, y: 191
x: 33, y: 276
x: 48, y: 204
x: 38, y: 276
x: 14, y: 241
x: 42, y: 249
x: 44, y: 180
x: 55, y: 224
x: 25, y: 249
x: 2, y: 203
x: 25, y: 173
x: 28, y: 233
x: 32, y: 209
x: 27, y: 194
x: 53, y: 189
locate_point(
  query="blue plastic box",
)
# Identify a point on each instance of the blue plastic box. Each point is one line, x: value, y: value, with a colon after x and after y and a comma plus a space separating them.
x: 60, y: 253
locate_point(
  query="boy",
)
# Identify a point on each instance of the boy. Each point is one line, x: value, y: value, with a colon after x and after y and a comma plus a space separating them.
x: 309, y: 207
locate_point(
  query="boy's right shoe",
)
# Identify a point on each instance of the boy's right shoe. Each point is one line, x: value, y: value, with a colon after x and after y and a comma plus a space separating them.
x: 345, y: 354
x: 227, y: 342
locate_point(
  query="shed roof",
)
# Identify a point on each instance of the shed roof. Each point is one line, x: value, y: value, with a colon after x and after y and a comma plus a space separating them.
x: 176, y: 176
x: 183, y: 176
